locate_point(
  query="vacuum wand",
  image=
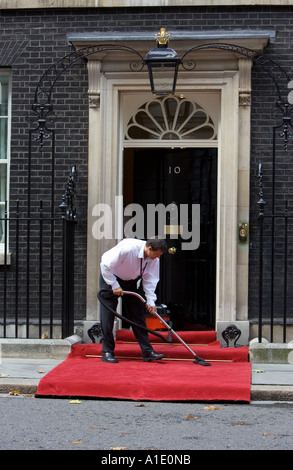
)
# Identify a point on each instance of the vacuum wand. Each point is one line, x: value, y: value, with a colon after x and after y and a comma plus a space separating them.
x: 198, y: 360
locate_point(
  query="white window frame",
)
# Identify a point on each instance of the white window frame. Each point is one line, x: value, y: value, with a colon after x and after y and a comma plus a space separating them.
x: 6, y: 161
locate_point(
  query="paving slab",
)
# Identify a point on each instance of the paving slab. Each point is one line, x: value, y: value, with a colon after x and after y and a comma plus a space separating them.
x: 272, y: 374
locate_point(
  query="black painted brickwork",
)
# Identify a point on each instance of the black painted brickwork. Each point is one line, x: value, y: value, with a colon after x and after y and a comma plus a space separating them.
x: 32, y: 40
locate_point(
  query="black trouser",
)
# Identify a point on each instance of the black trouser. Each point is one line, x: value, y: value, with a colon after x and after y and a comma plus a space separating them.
x: 135, y: 311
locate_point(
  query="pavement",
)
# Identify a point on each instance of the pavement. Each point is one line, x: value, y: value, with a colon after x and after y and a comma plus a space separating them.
x: 269, y: 382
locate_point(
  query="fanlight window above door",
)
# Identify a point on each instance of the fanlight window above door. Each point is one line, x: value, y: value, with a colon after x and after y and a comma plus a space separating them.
x: 171, y: 119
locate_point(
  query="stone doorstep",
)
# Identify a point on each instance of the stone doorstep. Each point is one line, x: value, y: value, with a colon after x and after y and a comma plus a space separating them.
x: 271, y: 353
x: 35, y: 348
x: 266, y: 353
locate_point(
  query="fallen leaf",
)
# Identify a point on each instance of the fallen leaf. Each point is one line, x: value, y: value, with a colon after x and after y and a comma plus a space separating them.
x: 268, y: 435
x: 190, y: 416
x: 75, y: 402
x: 41, y: 371
x: 258, y: 371
x: 14, y: 392
x: 95, y: 427
x: 212, y: 408
x: 76, y: 442
x: 240, y: 423
x: 118, y: 448
x: 141, y: 405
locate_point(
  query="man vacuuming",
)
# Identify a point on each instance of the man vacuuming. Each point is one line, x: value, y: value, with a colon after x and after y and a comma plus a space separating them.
x: 131, y: 265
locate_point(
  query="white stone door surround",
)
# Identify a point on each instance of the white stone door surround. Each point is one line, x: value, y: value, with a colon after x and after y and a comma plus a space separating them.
x: 113, y: 91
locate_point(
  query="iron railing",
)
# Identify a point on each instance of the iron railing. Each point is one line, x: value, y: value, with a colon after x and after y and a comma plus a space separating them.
x: 275, y: 302
x: 36, y: 279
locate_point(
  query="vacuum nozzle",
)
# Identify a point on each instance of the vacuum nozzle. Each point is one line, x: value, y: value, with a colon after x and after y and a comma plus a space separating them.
x: 201, y: 362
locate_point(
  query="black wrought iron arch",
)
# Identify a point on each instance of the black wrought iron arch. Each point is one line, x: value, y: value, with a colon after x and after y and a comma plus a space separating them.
x: 273, y: 69
x: 49, y: 78
x: 278, y: 75
x: 47, y: 81
x: 42, y: 108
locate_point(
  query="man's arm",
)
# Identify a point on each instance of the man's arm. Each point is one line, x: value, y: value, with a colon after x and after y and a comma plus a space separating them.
x: 110, y: 260
x: 150, y: 280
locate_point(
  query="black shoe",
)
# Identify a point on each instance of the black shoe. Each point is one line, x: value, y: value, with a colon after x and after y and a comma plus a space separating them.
x: 153, y: 356
x: 109, y: 357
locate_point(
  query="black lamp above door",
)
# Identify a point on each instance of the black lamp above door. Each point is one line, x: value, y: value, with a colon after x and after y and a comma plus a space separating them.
x: 162, y: 63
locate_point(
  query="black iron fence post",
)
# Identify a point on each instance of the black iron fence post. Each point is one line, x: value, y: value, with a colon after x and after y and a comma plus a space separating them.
x: 261, y: 205
x: 5, y: 268
x: 69, y: 222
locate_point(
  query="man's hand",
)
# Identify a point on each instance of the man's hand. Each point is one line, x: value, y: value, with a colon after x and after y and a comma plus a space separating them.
x: 118, y: 291
x: 152, y: 309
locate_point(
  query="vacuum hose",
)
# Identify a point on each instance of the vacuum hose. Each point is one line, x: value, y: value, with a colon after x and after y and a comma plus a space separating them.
x: 198, y: 360
x: 132, y: 323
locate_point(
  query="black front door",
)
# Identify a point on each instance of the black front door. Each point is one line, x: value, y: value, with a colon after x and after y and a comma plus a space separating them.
x: 184, y: 181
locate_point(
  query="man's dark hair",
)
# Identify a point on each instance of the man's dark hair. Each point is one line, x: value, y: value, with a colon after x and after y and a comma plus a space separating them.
x: 157, y: 244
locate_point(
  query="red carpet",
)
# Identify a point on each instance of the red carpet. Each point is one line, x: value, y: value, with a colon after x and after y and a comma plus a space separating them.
x: 175, y: 378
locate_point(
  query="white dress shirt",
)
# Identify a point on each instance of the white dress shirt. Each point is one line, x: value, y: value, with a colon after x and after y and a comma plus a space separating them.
x: 126, y: 261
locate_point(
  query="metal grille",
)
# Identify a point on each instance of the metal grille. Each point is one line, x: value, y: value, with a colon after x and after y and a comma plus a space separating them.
x: 36, y: 281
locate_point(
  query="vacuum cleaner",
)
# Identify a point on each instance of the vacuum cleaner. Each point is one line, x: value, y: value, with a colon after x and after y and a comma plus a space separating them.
x: 198, y: 360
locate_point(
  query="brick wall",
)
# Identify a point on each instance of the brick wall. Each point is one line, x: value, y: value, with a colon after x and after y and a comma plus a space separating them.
x: 32, y: 40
